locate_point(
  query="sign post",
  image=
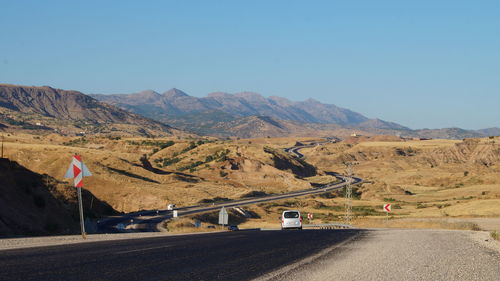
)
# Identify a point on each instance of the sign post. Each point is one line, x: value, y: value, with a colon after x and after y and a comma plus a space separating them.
x: 77, y: 170
x: 2, y: 147
x: 387, y: 209
x: 223, y: 217
x: 309, y: 217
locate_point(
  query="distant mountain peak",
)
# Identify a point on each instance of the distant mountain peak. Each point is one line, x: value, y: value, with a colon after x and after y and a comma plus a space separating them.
x: 312, y: 101
x: 174, y: 93
x: 219, y: 94
x: 148, y: 93
x: 251, y: 95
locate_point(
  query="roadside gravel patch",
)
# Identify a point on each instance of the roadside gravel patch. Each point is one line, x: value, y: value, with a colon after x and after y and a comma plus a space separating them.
x: 401, y: 254
x: 484, y: 239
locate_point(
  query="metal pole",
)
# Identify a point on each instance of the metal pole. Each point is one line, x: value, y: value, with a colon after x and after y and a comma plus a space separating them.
x: 2, y: 147
x: 348, y: 195
x: 82, y: 224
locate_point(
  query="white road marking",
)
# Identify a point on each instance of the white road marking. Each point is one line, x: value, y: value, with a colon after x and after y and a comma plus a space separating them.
x: 143, y: 249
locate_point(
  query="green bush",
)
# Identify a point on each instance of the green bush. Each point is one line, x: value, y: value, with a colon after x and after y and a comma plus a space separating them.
x: 191, y: 166
x: 170, y: 161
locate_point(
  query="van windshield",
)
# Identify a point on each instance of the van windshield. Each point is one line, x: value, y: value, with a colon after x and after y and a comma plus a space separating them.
x: 291, y: 215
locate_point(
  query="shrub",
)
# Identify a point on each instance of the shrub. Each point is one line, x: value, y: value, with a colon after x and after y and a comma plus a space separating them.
x: 166, y: 144
x: 191, y: 166
x: 168, y: 162
x: 421, y: 206
x: 254, y: 194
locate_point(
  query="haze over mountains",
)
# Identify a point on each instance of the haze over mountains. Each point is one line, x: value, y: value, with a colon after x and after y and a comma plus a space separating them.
x: 249, y: 114
x: 176, y: 103
x: 243, y: 114
x: 219, y: 112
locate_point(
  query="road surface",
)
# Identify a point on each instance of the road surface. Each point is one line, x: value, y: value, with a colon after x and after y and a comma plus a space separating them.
x: 350, y: 254
x: 240, y: 255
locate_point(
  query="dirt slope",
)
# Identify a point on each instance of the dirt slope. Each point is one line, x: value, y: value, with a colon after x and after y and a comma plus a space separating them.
x: 35, y: 204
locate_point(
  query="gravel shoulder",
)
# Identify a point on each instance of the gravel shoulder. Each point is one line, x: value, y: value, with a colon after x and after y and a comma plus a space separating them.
x: 397, y: 254
x: 42, y: 241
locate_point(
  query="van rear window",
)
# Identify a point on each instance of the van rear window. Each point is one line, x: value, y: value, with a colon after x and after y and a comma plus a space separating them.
x: 291, y: 215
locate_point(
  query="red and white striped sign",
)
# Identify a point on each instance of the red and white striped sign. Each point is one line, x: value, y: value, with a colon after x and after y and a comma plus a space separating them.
x: 387, y: 208
x: 309, y: 216
x: 77, y: 170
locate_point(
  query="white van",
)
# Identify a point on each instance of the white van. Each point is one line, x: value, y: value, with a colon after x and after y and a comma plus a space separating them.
x: 291, y: 219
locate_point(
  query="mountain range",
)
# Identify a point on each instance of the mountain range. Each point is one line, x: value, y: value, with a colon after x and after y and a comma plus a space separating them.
x: 30, y: 107
x: 147, y: 113
x: 218, y: 112
x: 175, y: 103
x: 249, y: 114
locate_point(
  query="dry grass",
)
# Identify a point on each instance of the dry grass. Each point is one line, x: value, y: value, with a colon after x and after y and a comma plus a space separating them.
x: 120, y: 179
x: 414, y: 143
x: 495, y: 235
x: 436, y: 178
x: 420, y: 223
x: 421, y: 190
x: 321, y: 179
x: 186, y: 225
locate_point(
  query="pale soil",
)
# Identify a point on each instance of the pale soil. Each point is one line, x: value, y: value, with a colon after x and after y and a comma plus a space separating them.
x: 400, y: 255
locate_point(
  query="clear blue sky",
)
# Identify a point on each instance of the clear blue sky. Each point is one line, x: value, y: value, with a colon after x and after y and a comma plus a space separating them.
x: 419, y: 63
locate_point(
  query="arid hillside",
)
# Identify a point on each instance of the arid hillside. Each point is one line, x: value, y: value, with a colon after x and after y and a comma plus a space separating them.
x: 424, y: 178
x: 132, y: 174
x: 430, y: 184
x: 36, y: 204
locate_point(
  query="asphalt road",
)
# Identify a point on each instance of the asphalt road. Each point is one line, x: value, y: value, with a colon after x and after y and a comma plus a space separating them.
x: 149, y: 219
x: 412, y: 255
x: 239, y: 255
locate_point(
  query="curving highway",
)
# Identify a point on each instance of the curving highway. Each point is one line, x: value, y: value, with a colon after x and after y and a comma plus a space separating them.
x: 150, y: 219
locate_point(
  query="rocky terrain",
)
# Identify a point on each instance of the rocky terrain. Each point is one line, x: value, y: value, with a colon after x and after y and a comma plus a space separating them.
x: 176, y: 103
x: 49, y: 109
x: 249, y: 114
x: 244, y: 115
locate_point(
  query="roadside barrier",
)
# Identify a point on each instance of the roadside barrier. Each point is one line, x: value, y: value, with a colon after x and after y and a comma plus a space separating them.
x: 327, y: 226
